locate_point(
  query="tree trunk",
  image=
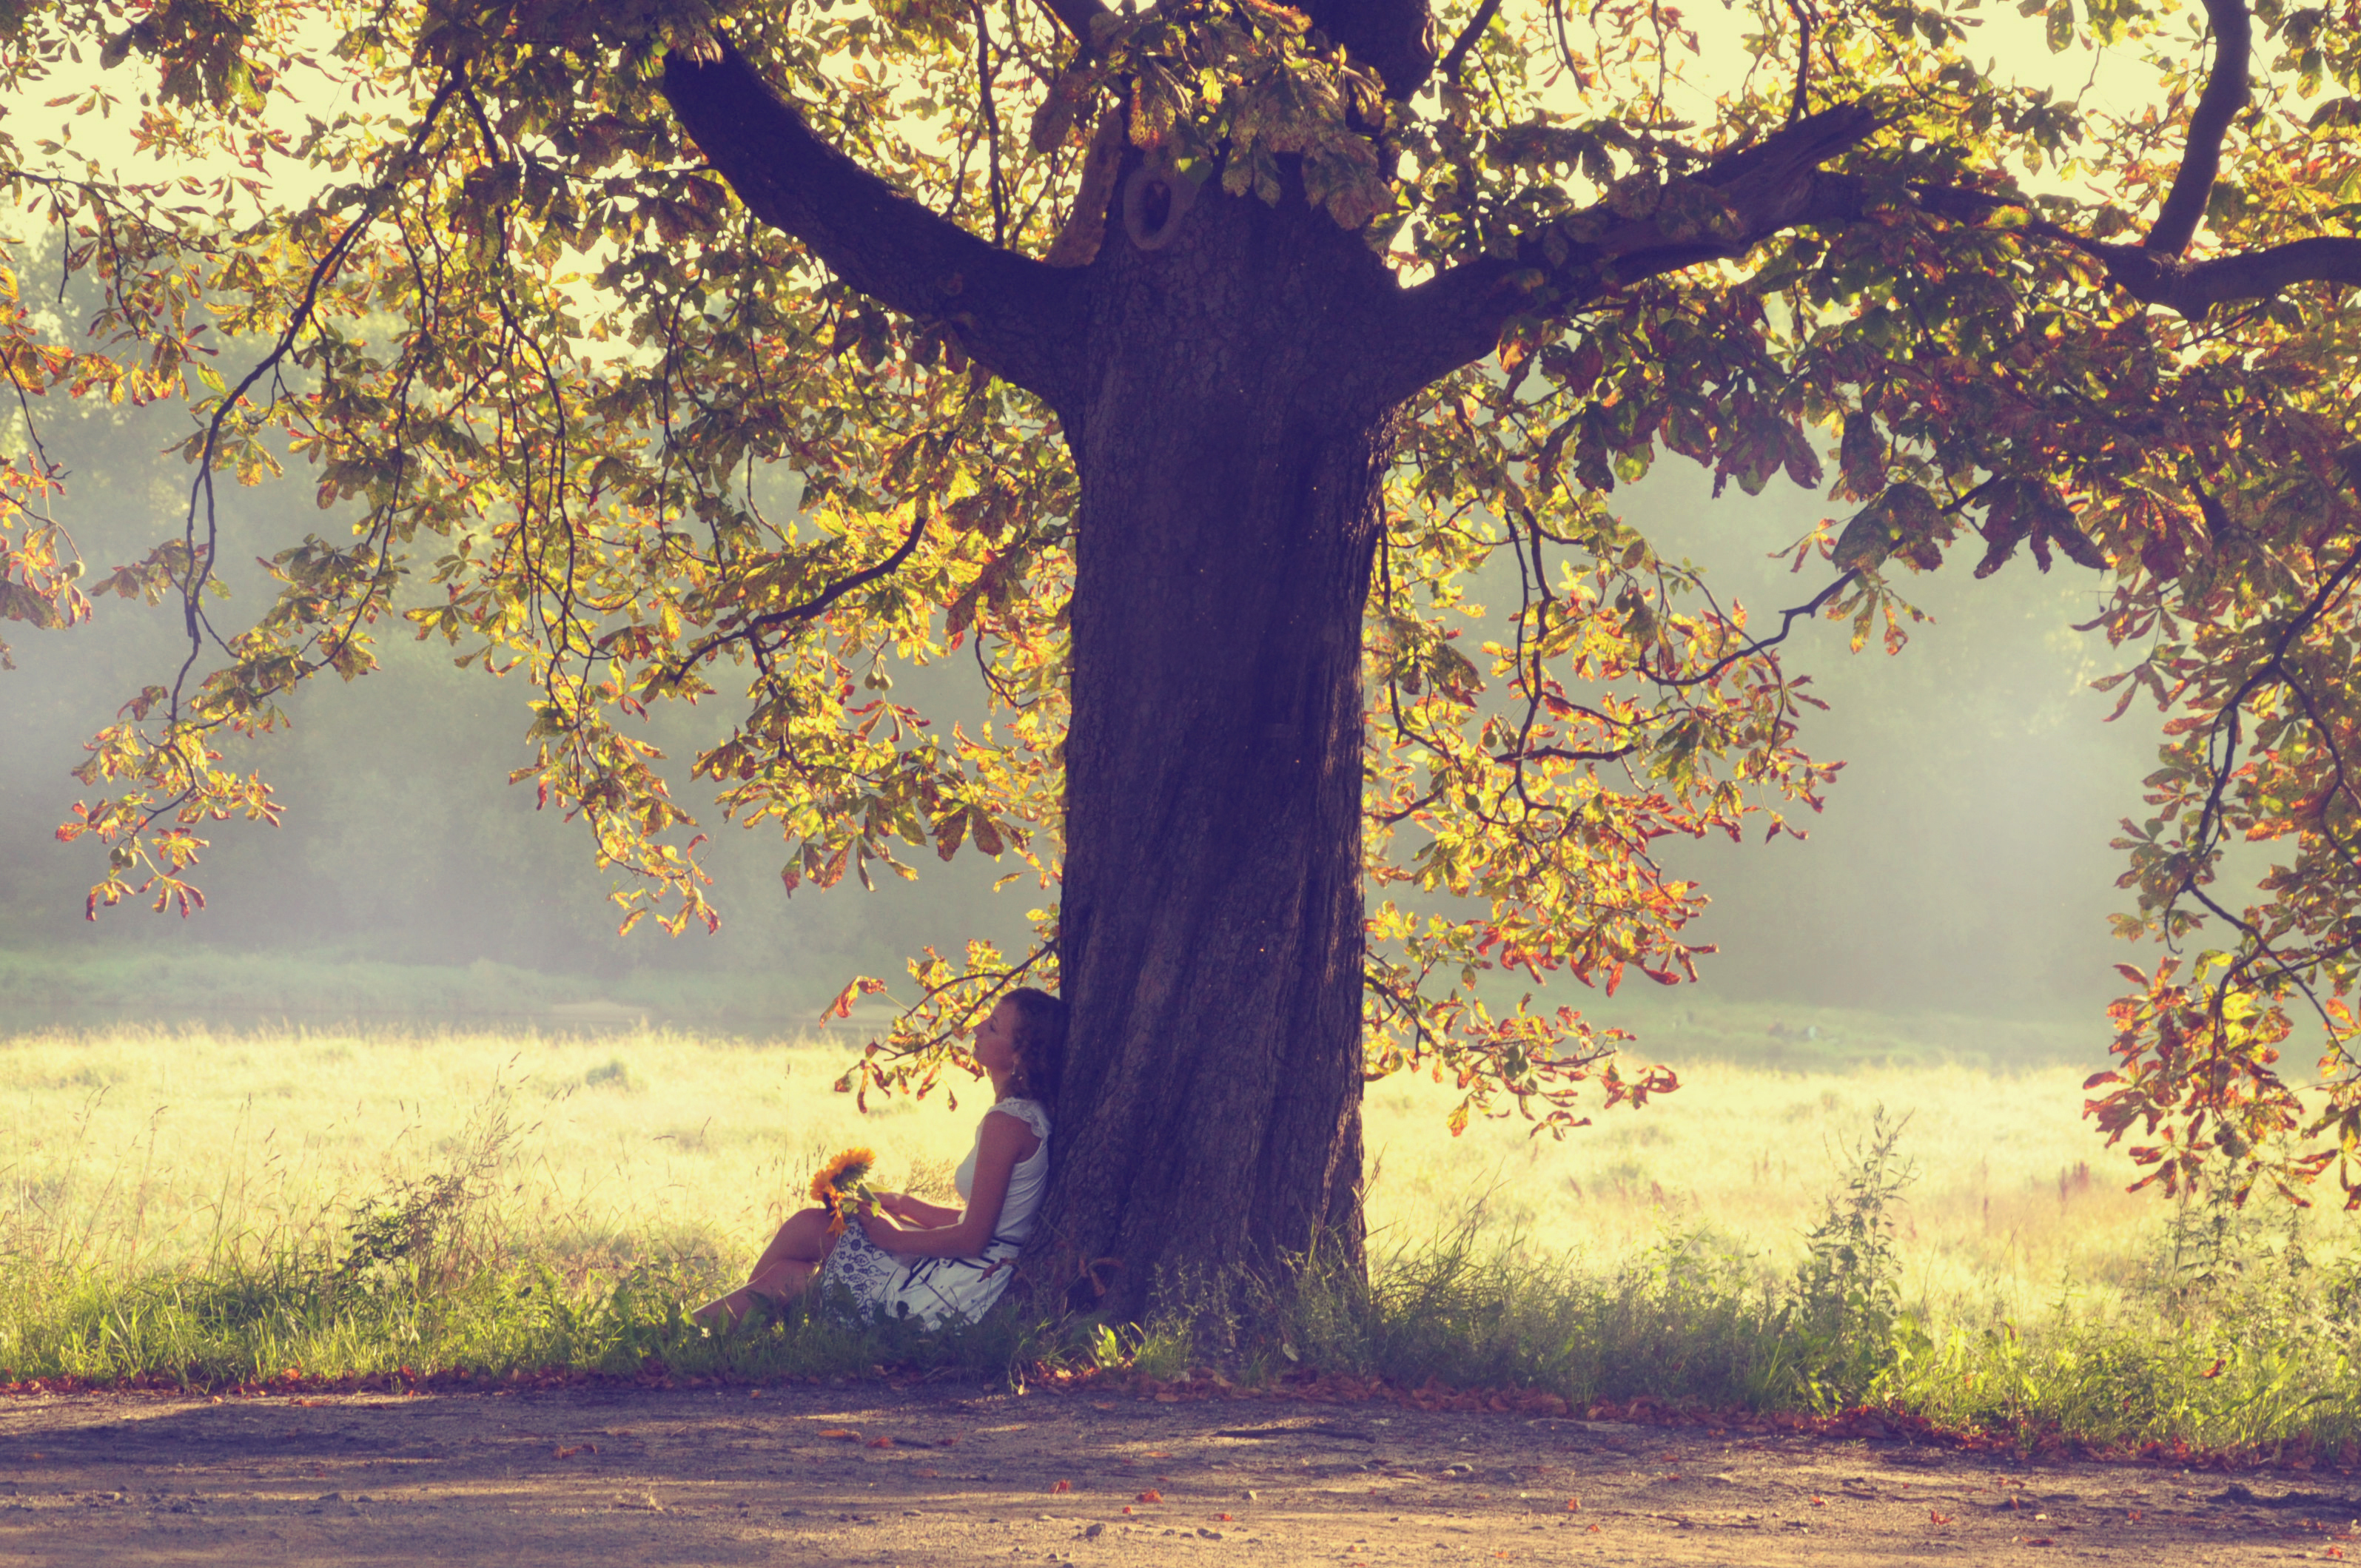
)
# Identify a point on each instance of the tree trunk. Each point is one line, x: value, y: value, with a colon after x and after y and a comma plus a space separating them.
x: 1210, y: 927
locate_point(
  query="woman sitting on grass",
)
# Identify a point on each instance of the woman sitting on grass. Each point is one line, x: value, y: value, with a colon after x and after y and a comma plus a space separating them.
x: 938, y: 1264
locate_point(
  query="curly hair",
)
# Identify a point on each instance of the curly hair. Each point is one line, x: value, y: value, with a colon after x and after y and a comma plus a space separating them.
x: 1040, y: 1039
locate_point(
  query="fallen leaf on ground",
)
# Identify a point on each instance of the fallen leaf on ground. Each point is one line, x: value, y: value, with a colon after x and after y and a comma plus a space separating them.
x: 841, y: 1434
x: 1063, y: 1486
x: 567, y: 1451
x: 1934, y: 1517
x: 881, y: 1442
x: 1151, y: 1496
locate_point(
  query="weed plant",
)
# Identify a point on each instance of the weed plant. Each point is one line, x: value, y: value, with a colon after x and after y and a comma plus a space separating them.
x: 2234, y: 1338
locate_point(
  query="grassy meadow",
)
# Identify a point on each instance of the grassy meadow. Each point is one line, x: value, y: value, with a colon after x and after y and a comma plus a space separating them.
x: 235, y: 1202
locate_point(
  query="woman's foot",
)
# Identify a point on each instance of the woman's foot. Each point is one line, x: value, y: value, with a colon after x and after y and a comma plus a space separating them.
x: 725, y: 1312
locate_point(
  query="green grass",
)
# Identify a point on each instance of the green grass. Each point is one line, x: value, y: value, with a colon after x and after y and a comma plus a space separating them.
x: 227, y: 1206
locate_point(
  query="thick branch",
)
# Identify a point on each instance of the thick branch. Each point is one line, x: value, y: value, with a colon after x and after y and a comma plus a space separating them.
x: 2225, y: 94
x: 2193, y: 288
x: 1016, y: 315
x: 1075, y: 17
x: 1396, y: 38
x: 1776, y: 184
x: 2157, y: 277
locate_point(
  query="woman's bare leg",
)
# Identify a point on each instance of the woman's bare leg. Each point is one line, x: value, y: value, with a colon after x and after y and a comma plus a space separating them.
x: 785, y: 1269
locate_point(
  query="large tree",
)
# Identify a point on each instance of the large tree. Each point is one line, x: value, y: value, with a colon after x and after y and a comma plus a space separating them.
x: 1183, y: 368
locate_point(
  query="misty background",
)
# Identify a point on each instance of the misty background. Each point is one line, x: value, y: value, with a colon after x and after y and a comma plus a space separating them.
x: 1961, y: 866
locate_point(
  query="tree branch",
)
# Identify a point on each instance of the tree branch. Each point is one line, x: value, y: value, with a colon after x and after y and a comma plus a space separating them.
x: 1799, y: 103
x: 2160, y: 278
x: 1075, y: 17
x: 1787, y: 618
x: 795, y: 614
x: 1016, y: 315
x: 1396, y: 38
x: 2193, y: 288
x: 2225, y: 94
x: 1456, y: 55
x: 1455, y: 318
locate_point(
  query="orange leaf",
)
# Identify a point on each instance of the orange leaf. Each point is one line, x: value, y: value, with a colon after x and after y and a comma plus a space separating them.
x: 1063, y: 1486
x: 841, y: 1434
x: 881, y: 1442
x: 1151, y: 1496
x: 1573, y: 1505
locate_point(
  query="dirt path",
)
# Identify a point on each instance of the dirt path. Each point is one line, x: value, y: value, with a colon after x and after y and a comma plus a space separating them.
x: 594, y: 1475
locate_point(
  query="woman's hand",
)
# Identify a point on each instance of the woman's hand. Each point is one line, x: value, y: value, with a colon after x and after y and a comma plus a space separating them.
x: 900, y: 1205
x: 883, y: 1233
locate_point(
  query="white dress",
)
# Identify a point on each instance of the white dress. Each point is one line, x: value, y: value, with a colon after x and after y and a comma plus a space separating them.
x: 936, y: 1290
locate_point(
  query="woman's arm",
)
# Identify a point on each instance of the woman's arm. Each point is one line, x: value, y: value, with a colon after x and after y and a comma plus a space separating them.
x: 1005, y: 1141
x: 916, y: 1211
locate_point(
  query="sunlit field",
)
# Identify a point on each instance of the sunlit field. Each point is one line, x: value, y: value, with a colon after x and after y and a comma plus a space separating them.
x: 224, y: 1202
x: 147, y: 1147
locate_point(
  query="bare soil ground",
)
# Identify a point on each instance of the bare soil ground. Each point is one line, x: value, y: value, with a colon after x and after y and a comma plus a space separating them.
x: 625, y: 1475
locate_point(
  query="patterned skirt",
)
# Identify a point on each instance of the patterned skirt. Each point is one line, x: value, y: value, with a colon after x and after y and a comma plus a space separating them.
x: 935, y: 1290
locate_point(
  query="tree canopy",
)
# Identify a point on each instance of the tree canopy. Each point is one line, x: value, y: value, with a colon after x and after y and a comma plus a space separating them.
x: 680, y: 352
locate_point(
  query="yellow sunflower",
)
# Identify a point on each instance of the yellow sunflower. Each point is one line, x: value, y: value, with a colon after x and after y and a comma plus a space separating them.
x: 841, y: 1183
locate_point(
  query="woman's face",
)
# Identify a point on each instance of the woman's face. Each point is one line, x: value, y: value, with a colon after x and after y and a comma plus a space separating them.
x: 995, y: 1041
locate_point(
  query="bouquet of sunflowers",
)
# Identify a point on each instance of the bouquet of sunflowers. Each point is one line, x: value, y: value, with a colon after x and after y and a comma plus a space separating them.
x: 841, y: 1187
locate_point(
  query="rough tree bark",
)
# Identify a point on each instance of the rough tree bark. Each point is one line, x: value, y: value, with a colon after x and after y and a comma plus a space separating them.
x: 1212, y: 913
